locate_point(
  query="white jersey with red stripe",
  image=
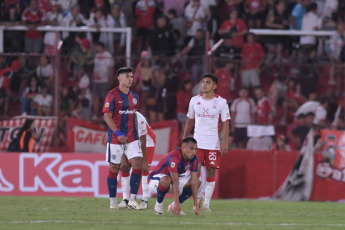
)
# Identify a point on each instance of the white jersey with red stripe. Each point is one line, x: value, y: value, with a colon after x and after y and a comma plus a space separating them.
x: 207, y: 115
x: 145, y: 129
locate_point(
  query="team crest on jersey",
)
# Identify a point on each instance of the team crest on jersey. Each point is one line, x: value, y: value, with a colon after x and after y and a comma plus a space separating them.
x: 107, y: 104
x: 214, y: 105
x: 135, y: 101
x: 198, y: 103
x: 172, y: 165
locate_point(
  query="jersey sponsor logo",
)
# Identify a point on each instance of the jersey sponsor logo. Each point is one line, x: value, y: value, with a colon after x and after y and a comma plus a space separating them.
x: 107, y: 104
x: 206, y: 116
x: 127, y: 111
x: 172, y: 165
x: 135, y: 101
x: 205, y: 111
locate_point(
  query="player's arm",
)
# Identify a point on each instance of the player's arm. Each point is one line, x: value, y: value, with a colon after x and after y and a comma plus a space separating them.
x: 108, y: 118
x: 225, y: 145
x: 195, y: 188
x: 174, y: 185
x: 188, y: 127
x: 143, y: 149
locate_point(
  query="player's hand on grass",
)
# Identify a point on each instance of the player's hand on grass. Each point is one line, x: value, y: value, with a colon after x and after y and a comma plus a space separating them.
x: 146, y: 166
x: 177, y: 209
x: 121, y: 137
x: 196, y: 209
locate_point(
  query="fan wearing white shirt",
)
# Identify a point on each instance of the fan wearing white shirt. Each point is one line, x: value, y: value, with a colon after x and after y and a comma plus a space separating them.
x: 208, y: 112
x: 43, y: 102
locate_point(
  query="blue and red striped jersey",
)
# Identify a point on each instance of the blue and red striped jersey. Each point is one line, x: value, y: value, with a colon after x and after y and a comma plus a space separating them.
x: 123, y: 108
x: 173, y: 162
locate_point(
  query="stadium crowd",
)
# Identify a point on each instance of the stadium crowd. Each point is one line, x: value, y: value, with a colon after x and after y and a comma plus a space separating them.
x: 264, y: 79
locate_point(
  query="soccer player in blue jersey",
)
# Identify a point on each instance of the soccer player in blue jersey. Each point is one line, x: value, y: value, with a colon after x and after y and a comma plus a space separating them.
x: 169, y: 175
x: 119, y: 110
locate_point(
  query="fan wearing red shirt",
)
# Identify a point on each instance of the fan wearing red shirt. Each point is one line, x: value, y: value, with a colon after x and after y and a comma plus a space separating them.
x: 224, y: 81
x: 264, y: 108
x: 183, y: 97
x: 144, y: 11
x: 235, y: 28
x: 32, y: 17
x: 252, y: 57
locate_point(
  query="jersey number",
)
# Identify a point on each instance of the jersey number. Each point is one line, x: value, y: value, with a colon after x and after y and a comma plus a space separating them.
x: 212, y: 156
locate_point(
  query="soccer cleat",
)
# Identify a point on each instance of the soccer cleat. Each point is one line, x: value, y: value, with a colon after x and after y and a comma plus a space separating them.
x: 171, y: 207
x: 206, y: 208
x: 133, y: 204
x: 113, y: 206
x: 123, y: 204
x: 159, y: 209
x: 143, y: 204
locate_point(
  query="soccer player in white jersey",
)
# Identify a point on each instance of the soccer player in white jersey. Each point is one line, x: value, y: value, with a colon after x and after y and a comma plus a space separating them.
x: 206, y: 111
x: 147, y: 138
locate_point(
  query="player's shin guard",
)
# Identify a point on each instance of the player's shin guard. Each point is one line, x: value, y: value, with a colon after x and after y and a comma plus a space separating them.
x: 210, y: 184
x: 161, y: 191
x: 135, y: 183
x: 112, y: 184
x: 125, y: 185
x: 144, y: 185
x: 186, y: 193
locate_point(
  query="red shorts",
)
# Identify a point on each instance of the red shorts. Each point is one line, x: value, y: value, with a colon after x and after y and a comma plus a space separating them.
x: 150, y: 151
x: 209, y: 158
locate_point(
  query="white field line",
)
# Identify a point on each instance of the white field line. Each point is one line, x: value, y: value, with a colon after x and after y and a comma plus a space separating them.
x: 164, y: 223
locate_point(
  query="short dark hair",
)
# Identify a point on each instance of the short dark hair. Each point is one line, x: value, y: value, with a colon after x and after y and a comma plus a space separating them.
x: 100, y: 44
x: 124, y: 70
x: 212, y: 76
x: 188, y: 139
x: 310, y: 114
x: 173, y: 12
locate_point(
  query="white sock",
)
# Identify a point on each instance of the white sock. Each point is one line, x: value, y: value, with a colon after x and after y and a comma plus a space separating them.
x: 133, y: 197
x: 209, y: 192
x: 113, y: 200
x: 145, y: 187
x: 125, y: 187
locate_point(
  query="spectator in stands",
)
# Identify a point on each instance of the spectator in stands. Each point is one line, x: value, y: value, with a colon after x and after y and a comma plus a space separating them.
x: 264, y: 108
x: 330, y: 14
x: 83, y: 107
x: 320, y: 119
x: 156, y: 105
x: 263, y: 143
x: 4, y: 90
x: 162, y: 42
x: 283, y: 143
x: 12, y: 39
x: 100, y: 5
x: 117, y: 20
x: 43, y: 102
x: 32, y: 17
x: 211, y: 23
x: 278, y: 90
x: 252, y: 58
x: 144, y: 12
x: 298, y: 134
x: 66, y: 5
x: 72, y: 19
x: 51, y: 39
x: 226, y: 6
x: 81, y: 57
x: 44, y: 72
x: 242, y: 115
x: 194, y: 15
x: 276, y: 19
x: 177, y: 5
x: 310, y: 22
x: 125, y: 7
x: 183, y: 97
x: 255, y: 12
x: 28, y: 96
x: 195, y: 49
x: 102, y: 77
x: 224, y: 75
x: 143, y: 73
x: 334, y: 47
x: 177, y: 23
x: 44, y: 6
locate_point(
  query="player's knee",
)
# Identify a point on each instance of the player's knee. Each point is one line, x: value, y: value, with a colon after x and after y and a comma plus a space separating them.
x: 114, y: 167
x: 137, y: 162
x: 125, y: 168
x: 210, y: 172
x: 165, y: 181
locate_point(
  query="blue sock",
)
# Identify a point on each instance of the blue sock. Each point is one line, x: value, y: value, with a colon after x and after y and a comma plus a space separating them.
x: 186, y: 193
x: 161, y: 191
x: 135, y: 181
x: 112, y: 187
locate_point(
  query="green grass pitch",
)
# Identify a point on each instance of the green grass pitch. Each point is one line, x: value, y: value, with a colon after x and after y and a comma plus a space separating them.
x: 93, y: 213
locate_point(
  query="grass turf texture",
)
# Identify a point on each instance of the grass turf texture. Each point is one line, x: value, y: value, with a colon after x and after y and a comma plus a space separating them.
x: 93, y: 213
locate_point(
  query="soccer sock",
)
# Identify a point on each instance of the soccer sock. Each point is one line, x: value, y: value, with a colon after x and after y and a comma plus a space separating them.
x: 161, y: 191
x: 186, y: 193
x: 112, y: 184
x: 135, y: 182
x: 144, y: 186
x: 210, y: 183
x: 125, y: 185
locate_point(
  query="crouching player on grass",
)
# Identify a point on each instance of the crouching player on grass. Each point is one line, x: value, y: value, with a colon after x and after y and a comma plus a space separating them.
x: 169, y: 175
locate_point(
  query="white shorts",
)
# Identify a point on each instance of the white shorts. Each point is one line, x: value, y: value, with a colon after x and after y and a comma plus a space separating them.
x: 114, y: 152
x: 250, y: 78
x: 154, y: 182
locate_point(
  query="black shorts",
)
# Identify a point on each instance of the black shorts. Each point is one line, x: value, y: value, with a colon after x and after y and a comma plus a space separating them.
x: 240, y: 135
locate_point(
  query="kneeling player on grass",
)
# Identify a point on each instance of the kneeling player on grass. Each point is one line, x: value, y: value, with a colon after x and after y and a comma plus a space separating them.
x: 169, y: 175
x: 148, y: 141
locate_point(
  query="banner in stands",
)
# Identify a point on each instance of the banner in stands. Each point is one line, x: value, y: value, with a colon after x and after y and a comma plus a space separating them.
x: 44, y: 126
x: 86, y: 137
